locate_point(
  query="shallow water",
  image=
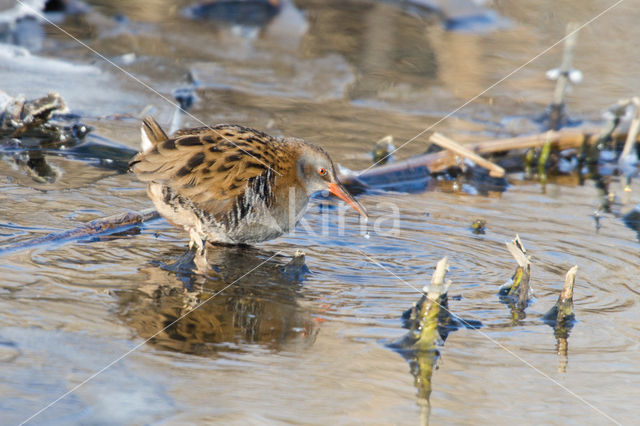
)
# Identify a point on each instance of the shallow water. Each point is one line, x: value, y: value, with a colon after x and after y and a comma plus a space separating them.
x: 312, y: 348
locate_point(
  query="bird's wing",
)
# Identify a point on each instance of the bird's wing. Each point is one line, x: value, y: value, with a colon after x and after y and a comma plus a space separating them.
x: 209, y: 166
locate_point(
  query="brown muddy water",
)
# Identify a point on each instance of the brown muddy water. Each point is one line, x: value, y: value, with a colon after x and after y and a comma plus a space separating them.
x: 312, y: 348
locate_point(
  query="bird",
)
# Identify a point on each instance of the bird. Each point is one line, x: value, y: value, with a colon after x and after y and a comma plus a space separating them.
x: 230, y: 184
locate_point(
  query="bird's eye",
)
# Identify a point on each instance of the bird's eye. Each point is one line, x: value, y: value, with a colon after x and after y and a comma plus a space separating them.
x: 322, y: 171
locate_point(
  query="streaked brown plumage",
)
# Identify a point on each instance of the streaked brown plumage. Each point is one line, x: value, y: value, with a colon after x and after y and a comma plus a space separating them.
x: 233, y: 184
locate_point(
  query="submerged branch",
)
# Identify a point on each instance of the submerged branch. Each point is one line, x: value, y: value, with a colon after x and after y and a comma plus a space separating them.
x: 105, y: 226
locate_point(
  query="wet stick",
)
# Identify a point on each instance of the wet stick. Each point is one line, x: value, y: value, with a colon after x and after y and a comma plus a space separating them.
x: 100, y: 227
x: 439, y: 162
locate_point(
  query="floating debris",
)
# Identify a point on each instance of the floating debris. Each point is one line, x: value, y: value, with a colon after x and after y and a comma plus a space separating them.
x: 461, y: 15
x: 478, y: 226
x: 33, y: 131
x: 34, y: 119
x: 236, y: 12
x: 18, y: 115
x: 296, y: 269
x: 383, y: 150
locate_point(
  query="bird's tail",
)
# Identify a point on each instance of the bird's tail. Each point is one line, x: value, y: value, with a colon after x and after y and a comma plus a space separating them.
x: 152, y: 133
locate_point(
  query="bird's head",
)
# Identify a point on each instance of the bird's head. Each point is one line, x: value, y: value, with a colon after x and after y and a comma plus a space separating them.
x: 317, y: 173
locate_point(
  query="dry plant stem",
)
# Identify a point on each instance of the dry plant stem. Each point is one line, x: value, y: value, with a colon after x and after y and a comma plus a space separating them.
x: 556, y: 116
x: 451, y: 145
x: 522, y: 277
x: 569, y: 282
x: 519, y: 253
x: 565, y: 66
x: 439, y: 162
x: 634, y: 129
x: 565, y: 300
x: 438, y: 285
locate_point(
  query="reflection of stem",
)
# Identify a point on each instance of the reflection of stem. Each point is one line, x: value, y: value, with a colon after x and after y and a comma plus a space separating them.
x: 419, y: 344
x: 542, y: 163
x: 517, y: 314
x: 422, y: 370
x: 563, y: 353
x: 425, y: 411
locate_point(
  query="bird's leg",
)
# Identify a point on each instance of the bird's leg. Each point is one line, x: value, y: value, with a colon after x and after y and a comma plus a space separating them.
x: 195, y: 240
x: 199, y: 245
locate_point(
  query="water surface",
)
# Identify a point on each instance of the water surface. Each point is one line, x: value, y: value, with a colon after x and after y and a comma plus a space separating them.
x: 276, y: 347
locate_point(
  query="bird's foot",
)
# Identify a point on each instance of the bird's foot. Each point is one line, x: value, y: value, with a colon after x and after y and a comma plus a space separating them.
x: 198, y: 245
x: 196, y: 241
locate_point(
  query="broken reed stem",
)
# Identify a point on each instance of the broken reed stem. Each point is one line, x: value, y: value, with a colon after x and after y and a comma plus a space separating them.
x: 438, y: 286
x: 560, y: 316
x: 565, y: 300
x: 453, y: 146
x: 556, y: 115
x: 634, y: 129
x: 565, y: 66
x: 569, y: 282
x: 520, y: 284
x: 519, y: 253
x: 427, y: 319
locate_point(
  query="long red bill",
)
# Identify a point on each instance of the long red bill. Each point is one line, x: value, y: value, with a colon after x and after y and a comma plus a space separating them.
x: 339, y: 191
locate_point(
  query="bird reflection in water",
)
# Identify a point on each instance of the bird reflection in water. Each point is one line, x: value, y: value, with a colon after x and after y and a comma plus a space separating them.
x: 260, y: 308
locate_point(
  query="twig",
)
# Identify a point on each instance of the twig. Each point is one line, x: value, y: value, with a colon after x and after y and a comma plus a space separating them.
x: 634, y: 129
x: 104, y: 226
x: 451, y: 145
x: 439, y: 162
